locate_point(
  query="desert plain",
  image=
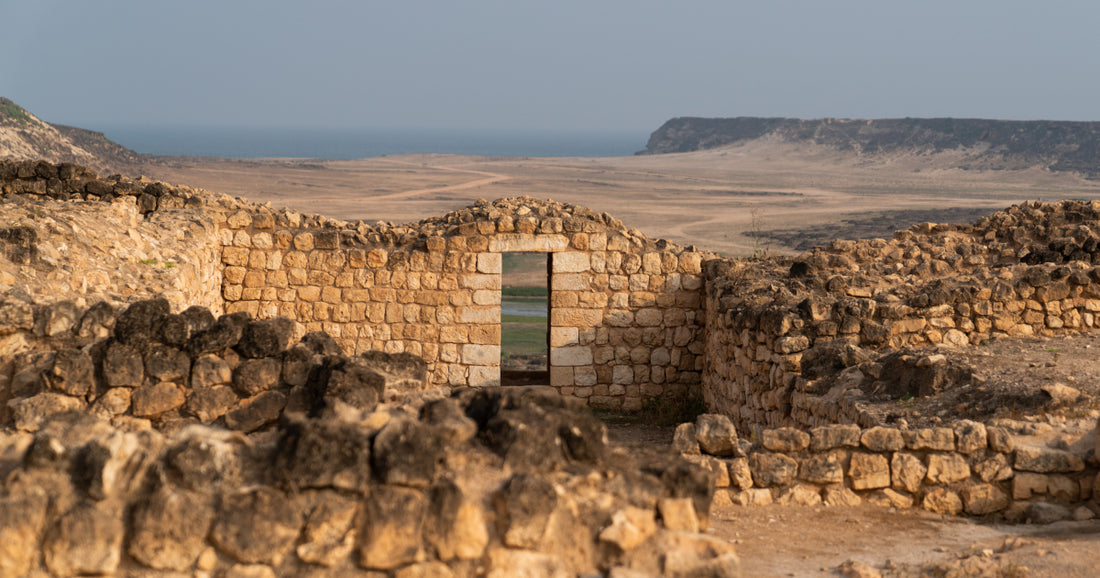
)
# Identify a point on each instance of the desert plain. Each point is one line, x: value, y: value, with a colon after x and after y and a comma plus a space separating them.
x: 759, y: 197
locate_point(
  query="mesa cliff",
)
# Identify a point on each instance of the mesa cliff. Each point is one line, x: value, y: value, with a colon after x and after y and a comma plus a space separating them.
x: 993, y: 144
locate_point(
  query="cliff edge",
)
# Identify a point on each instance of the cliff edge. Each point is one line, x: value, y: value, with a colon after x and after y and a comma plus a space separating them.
x: 24, y: 136
x: 992, y: 144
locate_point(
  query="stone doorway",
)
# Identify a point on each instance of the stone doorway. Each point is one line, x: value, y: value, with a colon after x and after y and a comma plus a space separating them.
x: 525, y: 318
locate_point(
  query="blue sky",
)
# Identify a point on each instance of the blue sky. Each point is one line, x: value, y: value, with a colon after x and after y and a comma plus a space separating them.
x: 567, y: 64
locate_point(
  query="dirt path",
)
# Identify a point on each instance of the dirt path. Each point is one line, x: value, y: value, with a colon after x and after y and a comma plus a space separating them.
x: 491, y: 178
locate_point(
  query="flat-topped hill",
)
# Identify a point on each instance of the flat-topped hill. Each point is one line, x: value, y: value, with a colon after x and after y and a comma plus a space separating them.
x: 993, y: 144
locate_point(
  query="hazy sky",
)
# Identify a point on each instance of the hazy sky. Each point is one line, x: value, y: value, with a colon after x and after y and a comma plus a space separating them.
x: 551, y: 64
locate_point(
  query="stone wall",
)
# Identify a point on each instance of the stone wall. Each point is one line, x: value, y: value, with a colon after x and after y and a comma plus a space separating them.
x: 625, y: 311
x: 967, y: 468
x: 160, y: 443
x: 1029, y: 270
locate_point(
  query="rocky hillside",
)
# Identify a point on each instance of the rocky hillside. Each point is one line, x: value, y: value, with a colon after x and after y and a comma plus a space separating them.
x: 994, y: 144
x: 24, y: 136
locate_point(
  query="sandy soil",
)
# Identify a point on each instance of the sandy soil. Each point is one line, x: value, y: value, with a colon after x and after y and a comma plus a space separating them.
x: 713, y: 199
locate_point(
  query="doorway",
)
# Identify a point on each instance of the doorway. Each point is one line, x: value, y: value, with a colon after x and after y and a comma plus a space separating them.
x: 525, y: 319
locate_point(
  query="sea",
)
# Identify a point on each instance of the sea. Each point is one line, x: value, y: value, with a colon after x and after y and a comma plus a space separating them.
x: 350, y: 143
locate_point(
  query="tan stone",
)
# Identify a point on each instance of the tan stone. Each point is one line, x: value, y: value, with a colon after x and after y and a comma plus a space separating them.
x: 946, y: 468
x: 570, y: 262
x: 838, y: 495
x: 882, y: 439
x: 478, y: 314
x: 786, y: 439
x: 868, y: 471
x: 753, y: 497
x: 1026, y: 484
x: 678, y: 514
x: 561, y: 336
x: 938, y: 438
x: 571, y: 356
x: 800, y: 495
x: 503, y: 243
x: 942, y: 501
x: 906, y: 472
x: 630, y: 527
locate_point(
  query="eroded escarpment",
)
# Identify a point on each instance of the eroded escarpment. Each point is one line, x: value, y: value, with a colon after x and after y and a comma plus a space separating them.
x: 147, y: 441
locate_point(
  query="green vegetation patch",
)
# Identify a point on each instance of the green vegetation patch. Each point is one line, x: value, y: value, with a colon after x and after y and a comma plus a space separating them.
x: 522, y: 335
x: 9, y: 109
x: 525, y: 292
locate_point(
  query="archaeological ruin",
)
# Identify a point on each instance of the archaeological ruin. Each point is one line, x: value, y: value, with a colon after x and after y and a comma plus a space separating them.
x: 210, y: 385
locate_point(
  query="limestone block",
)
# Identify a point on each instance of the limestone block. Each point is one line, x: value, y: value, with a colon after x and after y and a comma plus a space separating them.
x: 477, y: 314
x: 838, y: 495
x: 570, y: 282
x: 740, y: 473
x: 519, y: 242
x: 571, y: 317
x: 882, y: 439
x: 946, y: 468
x: 630, y: 527
x: 484, y: 376
x: 678, y: 514
x: 86, y: 540
x: 489, y: 263
x: 970, y: 436
x: 754, y: 497
x: 391, y: 530
x: 155, y: 399
x: 907, y: 472
x: 650, y: 317
x: 571, y: 356
x: 772, y: 469
x: 584, y: 376
x: 869, y: 471
x: 937, y: 438
x: 169, y: 528
x: 486, y: 297
x: 800, y: 495
x: 562, y: 336
x: 570, y: 262
x: 562, y: 377
x: 823, y: 468
x: 786, y: 439
x: 887, y: 498
x: 942, y: 501
x: 1047, y: 460
x: 622, y: 375
x: 834, y: 436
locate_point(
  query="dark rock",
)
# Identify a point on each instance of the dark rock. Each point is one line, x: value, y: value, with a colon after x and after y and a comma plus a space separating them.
x: 315, y: 453
x: 683, y: 479
x: 223, y: 334
x: 29, y: 414
x: 198, y: 319
x: 407, y: 453
x: 716, y: 434
x: 15, y: 314
x: 392, y: 528
x: 209, y: 370
x: 521, y: 437
x: 256, y: 527
x: 170, y: 528
x: 204, y: 464
x: 73, y: 372
x: 135, y: 324
x: 97, y: 322
x: 523, y: 507
x: 347, y: 381
x: 20, y: 244
x: 123, y: 366
x: 907, y: 373
x: 254, y: 376
x: 297, y: 363
x: 256, y: 412
x: 321, y: 343
x: 455, y: 526
x: 266, y: 338
x: 585, y: 437
x: 404, y: 372
x: 166, y: 363
x: 831, y: 357
x: 172, y: 330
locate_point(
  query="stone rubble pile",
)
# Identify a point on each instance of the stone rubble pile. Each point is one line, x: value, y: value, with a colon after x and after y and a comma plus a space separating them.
x: 966, y: 468
x: 151, y: 443
x: 1033, y: 269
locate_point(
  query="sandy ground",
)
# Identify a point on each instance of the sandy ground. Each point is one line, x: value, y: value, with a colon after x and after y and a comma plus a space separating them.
x: 712, y: 199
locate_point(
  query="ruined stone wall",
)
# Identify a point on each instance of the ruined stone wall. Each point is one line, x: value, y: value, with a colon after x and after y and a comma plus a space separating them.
x: 968, y: 468
x: 67, y: 236
x: 625, y: 318
x: 151, y: 442
x: 1029, y: 270
x: 625, y: 311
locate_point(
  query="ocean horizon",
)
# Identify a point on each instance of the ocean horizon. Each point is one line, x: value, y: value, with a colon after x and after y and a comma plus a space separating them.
x: 349, y: 143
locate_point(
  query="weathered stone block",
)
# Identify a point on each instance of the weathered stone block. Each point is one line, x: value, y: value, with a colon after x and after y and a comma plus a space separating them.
x: 823, y: 468
x: 946, y: 468
x: 256, y: 526
x: 772, y: 469
x: 473, y: 354
x: 571, y: 356
x: 882, y: 439
x: 391, y: 530
x: 785, y: 439
x: 85, y: 540
x: 942, y: 501
x: 869, y: 471
x: 170, y: 528
x: 937, y: 438
x: 824, y: 438
x: 1047, y: 460
x: 907, y: 472
x: 154, y: 400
